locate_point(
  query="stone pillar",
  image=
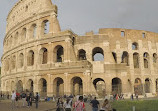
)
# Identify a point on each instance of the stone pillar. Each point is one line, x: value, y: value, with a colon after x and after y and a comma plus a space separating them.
x: 108, y: 57
x: 54, y: 23
x: 67, y: 84
x: 49, y: 53
x: 87, y: 83
x: 40, y: 29
x: 67, y: 49
x: 49, y: 86
x: 153, y: 86
x: 132, y: 87
x: 118, y: 53
x: 35, y: 85
x: 108, y: 87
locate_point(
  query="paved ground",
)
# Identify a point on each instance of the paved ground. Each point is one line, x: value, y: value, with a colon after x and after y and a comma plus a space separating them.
x: 5, y: 105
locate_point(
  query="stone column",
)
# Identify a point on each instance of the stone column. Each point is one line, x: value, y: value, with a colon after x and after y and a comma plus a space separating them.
x: 152, y: 86
x: 87, y: 83
x: 35, y: 85
x: 108, y: 88
x: 67, y: 84
x: 49, y: 86
x: 67, y: 49
x: 40, y: 30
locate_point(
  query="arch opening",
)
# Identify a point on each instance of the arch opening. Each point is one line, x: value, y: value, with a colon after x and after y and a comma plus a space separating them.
x: 76, y: 86
x: 98, y: 54
x: 116, y: 86
x: 100, y: 87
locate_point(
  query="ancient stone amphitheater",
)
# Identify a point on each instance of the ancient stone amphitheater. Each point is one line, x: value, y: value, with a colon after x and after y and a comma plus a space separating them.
x: 39, y: 57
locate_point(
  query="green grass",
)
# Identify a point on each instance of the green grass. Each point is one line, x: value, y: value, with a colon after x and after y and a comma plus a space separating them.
x: 140, y: 105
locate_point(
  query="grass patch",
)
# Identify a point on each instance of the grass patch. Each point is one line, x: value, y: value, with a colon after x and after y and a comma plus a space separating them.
x: 140, y: 105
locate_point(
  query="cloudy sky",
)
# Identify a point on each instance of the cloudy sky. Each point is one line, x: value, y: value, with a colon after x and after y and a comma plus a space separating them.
x: 85, y: 15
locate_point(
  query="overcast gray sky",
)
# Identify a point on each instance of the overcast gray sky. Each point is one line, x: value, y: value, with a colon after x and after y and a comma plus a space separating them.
x: 86, y: 15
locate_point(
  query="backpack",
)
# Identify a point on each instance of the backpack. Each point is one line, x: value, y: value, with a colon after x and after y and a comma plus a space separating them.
x: 79, y: 106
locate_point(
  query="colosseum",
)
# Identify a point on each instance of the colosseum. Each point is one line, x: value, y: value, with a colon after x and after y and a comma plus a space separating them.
x: 39, y: 57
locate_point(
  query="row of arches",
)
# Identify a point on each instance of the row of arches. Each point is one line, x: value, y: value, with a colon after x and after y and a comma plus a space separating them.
x: 58, y: 56
x: 97, y: 55
x: 76, y: 86
x: 30, y: 32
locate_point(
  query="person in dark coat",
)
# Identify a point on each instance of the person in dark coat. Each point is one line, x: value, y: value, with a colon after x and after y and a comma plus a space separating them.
x: 36, y: 100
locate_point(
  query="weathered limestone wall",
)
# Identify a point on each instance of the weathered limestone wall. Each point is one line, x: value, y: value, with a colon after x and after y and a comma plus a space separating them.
x: 39, y: 57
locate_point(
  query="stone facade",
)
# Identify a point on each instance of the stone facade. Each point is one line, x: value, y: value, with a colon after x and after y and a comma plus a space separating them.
x: 39, y: 57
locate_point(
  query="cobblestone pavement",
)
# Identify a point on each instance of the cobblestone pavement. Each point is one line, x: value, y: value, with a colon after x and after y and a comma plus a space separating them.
x: 5, y: 105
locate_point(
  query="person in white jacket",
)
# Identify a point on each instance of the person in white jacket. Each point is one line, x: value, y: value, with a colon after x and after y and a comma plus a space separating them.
x: 13, y: 97
x: 68, y: 104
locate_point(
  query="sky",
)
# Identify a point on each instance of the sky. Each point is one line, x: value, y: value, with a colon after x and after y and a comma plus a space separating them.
x: 89, y: 15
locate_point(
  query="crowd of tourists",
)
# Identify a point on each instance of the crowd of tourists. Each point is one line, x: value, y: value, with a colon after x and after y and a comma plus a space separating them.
x: 65, y: 103
x: 79, y: 104
x: 27, y: 99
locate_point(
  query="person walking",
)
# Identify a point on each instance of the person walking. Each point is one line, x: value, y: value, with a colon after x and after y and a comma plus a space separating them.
x: 67, y: 104
x: 60, y: 105
x: 79, y: 105
x: 13, y: 97
x: 106, y: 106
x: 36, y: 100
x: 23, y: 96
x: 28, y: 99
x: 31, y: 98
x: 95, y: 104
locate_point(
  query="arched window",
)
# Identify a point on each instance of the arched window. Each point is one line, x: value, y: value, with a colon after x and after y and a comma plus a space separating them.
x: 134, y: 46
x: 136, y: 60
x: 98, y: 54
x: 42, y: 85
x: 138, y: 86
x: 23, y: 34
x: 116, y: 86
x: 16, y: 38
x: 58, y: 53
x: 21, y: 60
x: 30, y: 60
x: 155, y: 58
x: 13, y: 62
x: 146, y: 59
x: 43, y: 55
x: 33, y: 30
x: 82, y: 54
x: 125, y: 57
x: 147, y: 85
x: 46, y: 26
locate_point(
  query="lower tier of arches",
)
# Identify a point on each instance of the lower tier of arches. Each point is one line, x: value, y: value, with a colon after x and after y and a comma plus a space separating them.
x: 79, y: 84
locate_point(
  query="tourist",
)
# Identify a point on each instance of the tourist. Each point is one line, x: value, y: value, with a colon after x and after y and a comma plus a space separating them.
x: 53, y: 98
x: 79, y: 105
x: 132, y: 97
x: 8, y: 96
x: 68, y: 104
x: 28, y: 99
x: 23, y: 96
x: 60, y: 105
x: 31, y: 97
x: 106, y: 106
x: 136, y: 96
x: 36, y: 99
x: 95, y: 104
x: 17, y: 99
x: 13, y: 97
